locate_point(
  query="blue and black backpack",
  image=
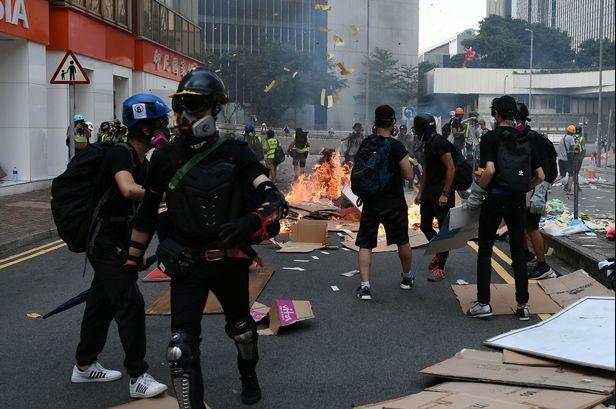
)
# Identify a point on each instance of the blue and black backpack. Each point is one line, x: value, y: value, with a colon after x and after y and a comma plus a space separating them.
x: 371, y: 176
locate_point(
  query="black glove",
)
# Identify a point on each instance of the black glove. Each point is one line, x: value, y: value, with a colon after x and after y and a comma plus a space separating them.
x: 239, y: 231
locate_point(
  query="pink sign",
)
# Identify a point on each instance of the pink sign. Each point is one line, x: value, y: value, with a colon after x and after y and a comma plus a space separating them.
x: 257, y: 315
x: 286, y: 312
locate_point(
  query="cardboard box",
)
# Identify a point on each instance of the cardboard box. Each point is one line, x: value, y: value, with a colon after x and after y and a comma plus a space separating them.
x: 503, y: 299
x: 286, y: 312
x: 543, y: 398
x: 259, y: 311
x: 568, y: 289
x: 516, y: 358
x: 306, y: 236
x: 484, y: 366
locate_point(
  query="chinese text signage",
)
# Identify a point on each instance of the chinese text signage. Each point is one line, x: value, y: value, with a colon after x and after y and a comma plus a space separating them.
x: 160, y: 61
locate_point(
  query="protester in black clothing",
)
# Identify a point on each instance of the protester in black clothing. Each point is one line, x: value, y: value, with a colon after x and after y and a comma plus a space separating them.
x: 388, y: 208
x: 220, y: 201
x: 512, y: 168
x: 114, y: 291
x: 458, y: 129
x: 436, y: 195
x: 352, y: 142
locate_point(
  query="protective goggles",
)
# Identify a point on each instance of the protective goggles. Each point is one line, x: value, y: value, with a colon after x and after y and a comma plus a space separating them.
x: 190, y: 103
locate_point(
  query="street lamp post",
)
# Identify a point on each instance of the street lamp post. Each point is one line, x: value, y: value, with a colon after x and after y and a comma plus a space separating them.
x: 530, y: 87
x: 367, y: 113
x: 600, y: 102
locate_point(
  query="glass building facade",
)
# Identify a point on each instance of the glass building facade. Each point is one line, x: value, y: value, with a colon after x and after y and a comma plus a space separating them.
x: 579, y: 18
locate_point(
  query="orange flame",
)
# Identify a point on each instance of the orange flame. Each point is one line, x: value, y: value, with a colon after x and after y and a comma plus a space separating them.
x: 325, y: 182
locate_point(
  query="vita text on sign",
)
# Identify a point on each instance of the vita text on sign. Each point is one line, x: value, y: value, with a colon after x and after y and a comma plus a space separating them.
x: 14, y: 11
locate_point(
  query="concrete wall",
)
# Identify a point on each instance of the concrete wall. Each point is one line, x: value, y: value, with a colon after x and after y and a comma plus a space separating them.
x: 393, y: 26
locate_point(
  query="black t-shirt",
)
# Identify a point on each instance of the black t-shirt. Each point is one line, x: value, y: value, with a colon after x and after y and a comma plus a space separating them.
x: 163, y: 167
x: 394, y: 195
x: 489, y: 150
x: 436, y: 170
x: 119, y: 158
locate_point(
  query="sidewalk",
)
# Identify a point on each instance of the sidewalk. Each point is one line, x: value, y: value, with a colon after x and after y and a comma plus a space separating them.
x: 25, y: 219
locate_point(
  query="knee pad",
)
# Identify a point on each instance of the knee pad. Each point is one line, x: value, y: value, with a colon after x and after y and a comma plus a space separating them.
x: 185, y: 367
x: 244, y: 334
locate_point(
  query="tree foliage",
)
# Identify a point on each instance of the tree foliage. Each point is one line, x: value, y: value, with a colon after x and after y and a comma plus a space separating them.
x: 588, y: 54
x: 390, y: 83
x: 505, y: 43
x: 299, y: 77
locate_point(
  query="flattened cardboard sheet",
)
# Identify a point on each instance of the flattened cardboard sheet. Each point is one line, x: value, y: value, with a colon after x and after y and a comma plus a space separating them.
x: 503, y: 299
x: 543, y: 398
x: 568, y: 289
x: 485, y: 366
x: 286, y: 312
x: 517, y: 358
x: 258, y: 279
x: 160, y: 402
x: 445, y: 400
x: 306, y: 236
x: 582, y: 334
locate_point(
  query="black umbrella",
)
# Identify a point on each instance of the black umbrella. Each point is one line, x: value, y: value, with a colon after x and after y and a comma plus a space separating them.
x: 82, y: 297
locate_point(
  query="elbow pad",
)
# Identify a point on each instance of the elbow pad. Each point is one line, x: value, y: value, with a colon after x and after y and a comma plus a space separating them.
x: 147, y: 215
x: 273, y: 209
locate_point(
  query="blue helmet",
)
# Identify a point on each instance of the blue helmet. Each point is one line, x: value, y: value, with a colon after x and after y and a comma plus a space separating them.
x: 249, y: 128
x: 141, y: 107
x: 78, y: 118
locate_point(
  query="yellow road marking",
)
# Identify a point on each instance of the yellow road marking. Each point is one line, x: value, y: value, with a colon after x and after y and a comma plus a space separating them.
x: 25, y: 253
x: 45, y: 250
x: 501, y: 270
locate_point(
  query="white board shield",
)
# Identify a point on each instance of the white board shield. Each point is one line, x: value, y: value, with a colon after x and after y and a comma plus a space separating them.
x: 70, y: 71
x: 581, y: 334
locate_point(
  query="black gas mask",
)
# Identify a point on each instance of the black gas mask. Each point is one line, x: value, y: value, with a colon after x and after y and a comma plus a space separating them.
x: 196, y: 119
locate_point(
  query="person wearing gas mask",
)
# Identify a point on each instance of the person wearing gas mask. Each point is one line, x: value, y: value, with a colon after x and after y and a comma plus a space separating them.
x: 436, y: 195
x: 220, y: 201
x: 115, y: 294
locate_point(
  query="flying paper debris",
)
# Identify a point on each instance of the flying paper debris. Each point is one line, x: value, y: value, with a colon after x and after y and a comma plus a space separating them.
x: 330, y: 101
x: 322, y: 7
x: 270, y: 86
x: 344, y: 70
x: 355, y: 30
x: 325, y: 29
x: 323, y: 95
x: 330, y: 56
x: 338, y: 41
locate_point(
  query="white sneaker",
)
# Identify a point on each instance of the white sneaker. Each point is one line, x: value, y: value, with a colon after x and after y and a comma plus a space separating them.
x: 95, y: 373
x: 479, y: 310
x: 146, y: 387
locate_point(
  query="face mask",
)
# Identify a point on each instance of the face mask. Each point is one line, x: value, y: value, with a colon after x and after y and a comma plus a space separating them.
x: 205, y: 127
x: 159, y: 139
x: 521, y: 127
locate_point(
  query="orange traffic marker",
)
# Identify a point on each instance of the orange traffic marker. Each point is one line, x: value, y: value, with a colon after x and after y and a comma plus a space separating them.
x: 156, y: 276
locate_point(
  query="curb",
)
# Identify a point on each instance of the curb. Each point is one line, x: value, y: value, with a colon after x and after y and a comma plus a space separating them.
x: 577, y: 256
x: 13, y: 245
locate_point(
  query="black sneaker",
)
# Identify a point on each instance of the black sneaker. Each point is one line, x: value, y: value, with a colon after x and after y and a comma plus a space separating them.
x: 363, y: 293
x: 251, y: 391
x: 541, y: 271
x: 407, y: 283
x: 523, y: 313
x: 530, y: 256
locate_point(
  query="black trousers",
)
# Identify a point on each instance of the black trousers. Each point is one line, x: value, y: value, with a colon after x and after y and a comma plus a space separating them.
x: 228, y: 280
x: 511, y: 208
x: 115, y: 295
x: 431, y: 210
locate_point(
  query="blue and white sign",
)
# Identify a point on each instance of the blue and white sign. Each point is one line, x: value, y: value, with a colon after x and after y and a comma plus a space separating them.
x: 408, y: 112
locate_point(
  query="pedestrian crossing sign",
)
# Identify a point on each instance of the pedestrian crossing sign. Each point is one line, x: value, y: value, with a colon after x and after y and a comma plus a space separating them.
x: 70, y: 71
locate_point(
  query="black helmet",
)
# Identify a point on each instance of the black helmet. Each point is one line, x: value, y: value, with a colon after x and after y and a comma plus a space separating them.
x: 507, y: 107
x: 199, y: 90
x: 424, y: 125
x: 523, y: 113
x: 105, y: 127
x: 384, y: 116
x: 578, y: 129
x: 357, y: 125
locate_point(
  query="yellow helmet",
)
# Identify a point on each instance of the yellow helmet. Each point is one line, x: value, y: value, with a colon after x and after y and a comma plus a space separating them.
x: 571, y: 129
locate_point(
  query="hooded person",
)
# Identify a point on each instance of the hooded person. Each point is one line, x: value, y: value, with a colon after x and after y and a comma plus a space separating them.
x: 114, y: 292
x: 436, y: 195
x: 353, y: 140
x: 220, y: 202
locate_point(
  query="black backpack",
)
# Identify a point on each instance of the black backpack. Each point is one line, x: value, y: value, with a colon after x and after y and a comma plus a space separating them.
x: 74, y: 203
x: 301, y: 140
x: 514, y: 170
x: 463, y: 178
x: 256, y: 146
x: 446, y: 131
x: 370, y: 176
x: 279, y: 155
x: 548, y: 155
